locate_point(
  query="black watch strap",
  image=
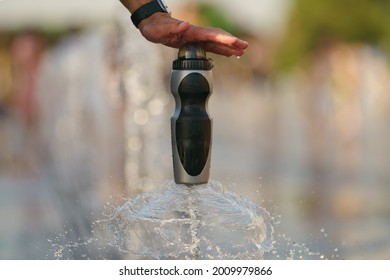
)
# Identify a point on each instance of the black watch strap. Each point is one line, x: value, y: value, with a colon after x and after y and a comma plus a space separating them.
x: 146, y: 11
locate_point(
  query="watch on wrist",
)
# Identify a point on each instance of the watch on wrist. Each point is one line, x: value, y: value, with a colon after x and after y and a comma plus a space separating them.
x: 147, y: 10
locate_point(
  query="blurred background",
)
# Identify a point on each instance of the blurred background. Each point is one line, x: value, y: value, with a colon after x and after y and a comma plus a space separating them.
x: 301, y: 121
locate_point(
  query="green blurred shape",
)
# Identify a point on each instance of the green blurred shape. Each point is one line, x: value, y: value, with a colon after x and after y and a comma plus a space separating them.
x: 313, y: 24
x: 212, y: 16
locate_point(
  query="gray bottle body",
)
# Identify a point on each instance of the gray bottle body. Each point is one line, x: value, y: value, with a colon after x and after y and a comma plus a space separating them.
x: 191, y: 126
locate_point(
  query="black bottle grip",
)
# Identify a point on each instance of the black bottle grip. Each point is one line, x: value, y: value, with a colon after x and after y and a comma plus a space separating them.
x: 193, y: 126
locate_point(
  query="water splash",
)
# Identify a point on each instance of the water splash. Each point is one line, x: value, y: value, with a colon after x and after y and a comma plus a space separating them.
x: 202, y: 222
x: 179, y: 222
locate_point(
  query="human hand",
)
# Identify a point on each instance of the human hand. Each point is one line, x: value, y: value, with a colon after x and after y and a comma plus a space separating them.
x: 162, y: 28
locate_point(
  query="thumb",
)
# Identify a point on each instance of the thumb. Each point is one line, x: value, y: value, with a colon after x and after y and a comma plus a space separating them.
x: 182, y: 27
x: 176, y: 33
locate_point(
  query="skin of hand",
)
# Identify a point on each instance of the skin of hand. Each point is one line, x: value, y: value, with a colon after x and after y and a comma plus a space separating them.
x: 161, y: 28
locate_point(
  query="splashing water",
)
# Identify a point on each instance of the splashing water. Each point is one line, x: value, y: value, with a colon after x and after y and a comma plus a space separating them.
x: 201, y: 222
x: 180, y: 222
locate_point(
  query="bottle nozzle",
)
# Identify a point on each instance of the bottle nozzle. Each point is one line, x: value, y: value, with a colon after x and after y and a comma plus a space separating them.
x: 192, y: 56
x: 191, y: 51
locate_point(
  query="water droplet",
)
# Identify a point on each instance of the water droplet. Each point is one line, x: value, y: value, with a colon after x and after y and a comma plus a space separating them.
x: 238, y: 57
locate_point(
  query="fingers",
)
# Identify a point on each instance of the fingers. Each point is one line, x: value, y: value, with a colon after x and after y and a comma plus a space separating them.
x: 211, y: 34
x: 216, y: 40
x: 222, y: 49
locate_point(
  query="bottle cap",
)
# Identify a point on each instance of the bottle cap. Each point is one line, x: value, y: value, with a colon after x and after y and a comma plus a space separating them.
x: 192, y: 56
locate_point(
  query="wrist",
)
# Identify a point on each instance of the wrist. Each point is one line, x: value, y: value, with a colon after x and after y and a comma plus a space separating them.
x: 153, y: 18
x: 147, y: 10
